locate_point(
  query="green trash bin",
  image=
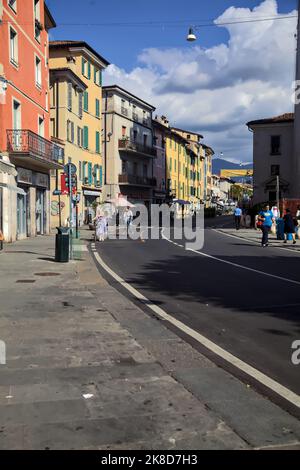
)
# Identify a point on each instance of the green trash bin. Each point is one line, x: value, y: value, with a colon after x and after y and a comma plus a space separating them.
x: 62, y: 245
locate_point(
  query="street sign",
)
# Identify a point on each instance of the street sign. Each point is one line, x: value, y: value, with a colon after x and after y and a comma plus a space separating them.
x: 70, y: 167
x: 56, y: 192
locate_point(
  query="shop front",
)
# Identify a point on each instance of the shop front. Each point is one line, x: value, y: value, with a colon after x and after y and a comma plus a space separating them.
x: 90, y: 200
x: 32, y: 203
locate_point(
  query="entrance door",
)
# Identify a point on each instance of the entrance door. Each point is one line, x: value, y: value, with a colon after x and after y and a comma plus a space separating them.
x: 40, y: 207
x: 21, y: 216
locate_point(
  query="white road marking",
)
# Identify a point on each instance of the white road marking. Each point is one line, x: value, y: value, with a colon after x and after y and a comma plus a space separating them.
x: 240, y: 266
x: 235, y: 361
x: 254, y: 242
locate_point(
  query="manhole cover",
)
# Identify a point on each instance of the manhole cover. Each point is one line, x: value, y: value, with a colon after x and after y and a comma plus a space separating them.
x: 25, y: 281
x: 47, y: 274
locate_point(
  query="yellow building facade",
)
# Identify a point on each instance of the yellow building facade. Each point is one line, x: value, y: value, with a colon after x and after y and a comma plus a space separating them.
x: 76, y: 122
x: 185, y: 160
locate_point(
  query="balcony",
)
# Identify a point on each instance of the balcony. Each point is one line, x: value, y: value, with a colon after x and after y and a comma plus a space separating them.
x: 137, y: 180
x: 130, y: 146
x: 26, y: 147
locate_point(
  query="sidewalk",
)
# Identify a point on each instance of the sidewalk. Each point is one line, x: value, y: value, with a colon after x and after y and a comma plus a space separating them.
x: 254, y: 236
x: 87, y: 369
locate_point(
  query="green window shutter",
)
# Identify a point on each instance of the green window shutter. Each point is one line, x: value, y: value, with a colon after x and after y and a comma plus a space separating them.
x: 95, y: 174
x: 100, y: 77
x: 95, y: 75
x: 86, y: 101
x: 97, y: 142
x: 90, y: 173
x: 82, y: 65
x: 97, y: 108
x: 100, y: 175
x: 89, y: 70
x: 86, y: 137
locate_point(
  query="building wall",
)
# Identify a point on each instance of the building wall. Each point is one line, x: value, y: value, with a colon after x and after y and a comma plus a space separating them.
x: 117, y: 126
x: 159, y: 170
x: 88, y: 161
x: 262, y: 158
x: 296, y: 159
x: 33, y: 97
x: 21, y: 76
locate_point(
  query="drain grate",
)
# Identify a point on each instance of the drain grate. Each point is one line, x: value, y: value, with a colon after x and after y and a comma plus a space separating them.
x: 25, y: 281
x: 46, y: 274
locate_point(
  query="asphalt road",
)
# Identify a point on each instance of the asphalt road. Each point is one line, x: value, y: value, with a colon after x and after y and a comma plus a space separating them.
x: 251, y: 315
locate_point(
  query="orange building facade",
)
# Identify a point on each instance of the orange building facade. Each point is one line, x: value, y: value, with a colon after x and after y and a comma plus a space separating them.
x: 27, y: 154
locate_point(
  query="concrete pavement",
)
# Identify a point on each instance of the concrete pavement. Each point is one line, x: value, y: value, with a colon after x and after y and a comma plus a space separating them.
x: 88, y: 369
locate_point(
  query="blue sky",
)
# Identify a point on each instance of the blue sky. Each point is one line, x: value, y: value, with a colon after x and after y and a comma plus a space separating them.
x: 121, y: 45
x: 229, y: 76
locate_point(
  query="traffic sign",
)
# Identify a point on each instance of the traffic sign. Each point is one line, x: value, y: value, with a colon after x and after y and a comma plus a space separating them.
x: 70, y: 167
x: 56, y: 192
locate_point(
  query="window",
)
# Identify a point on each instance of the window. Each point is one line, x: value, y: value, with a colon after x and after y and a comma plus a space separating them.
x: 86, y: 68
x: 38, y: 72
x: 70, y: 89
x: 86, y: 101
x: 37, y: 15
x: 97, y: 108
x: 13, y: 5
x: 90, y: 173
x: 145, y: 137
x: 124, y: 167
x: 145, y: 171
x: 275, y: 170
x: 97, y: 142
x: 16, y: 115
x: 275, y: 145
x: 79, y: 136
x: 135, y: 167
x: 134, y: 135
x: 70, y: 131
x: 80, y: 104
x: 124, y: 110
x: 123, y: 131
x: 13, y: 46
x: 97, y: 77
x: 41, y: 126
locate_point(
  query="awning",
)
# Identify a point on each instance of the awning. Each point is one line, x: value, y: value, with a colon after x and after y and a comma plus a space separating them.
x: 181, y: 202
x: 92, y: 193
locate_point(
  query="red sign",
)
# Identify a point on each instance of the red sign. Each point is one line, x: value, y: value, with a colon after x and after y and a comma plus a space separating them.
x: 65, y: 186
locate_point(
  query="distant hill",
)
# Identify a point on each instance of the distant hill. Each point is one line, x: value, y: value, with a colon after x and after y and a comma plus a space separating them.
x: 219, y: 164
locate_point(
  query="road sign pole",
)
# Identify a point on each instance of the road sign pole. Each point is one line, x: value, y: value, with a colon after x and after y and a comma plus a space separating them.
x: 71, y: 210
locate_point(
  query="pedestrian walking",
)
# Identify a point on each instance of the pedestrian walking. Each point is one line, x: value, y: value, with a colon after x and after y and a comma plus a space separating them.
x: 266, y: 220
x: 238, y: 217
x: 289, y: 226
x: 101, y: 228
x: 128, y: 217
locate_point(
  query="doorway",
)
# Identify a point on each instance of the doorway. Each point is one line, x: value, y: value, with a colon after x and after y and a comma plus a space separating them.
x: 21, y: 216
x: 40, y: 212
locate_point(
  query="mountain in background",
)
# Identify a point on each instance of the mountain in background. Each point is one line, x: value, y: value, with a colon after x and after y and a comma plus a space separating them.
x: 219, y: 164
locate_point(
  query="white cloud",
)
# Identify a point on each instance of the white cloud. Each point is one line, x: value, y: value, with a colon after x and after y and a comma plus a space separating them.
x: 217, y: 90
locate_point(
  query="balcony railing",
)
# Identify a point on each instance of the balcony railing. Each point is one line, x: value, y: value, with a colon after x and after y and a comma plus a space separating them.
x: 135, y: 147
x: 137, y: 180
x: 27, y: 142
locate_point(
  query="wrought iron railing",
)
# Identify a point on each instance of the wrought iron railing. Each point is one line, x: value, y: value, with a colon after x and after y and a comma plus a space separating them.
x: 25, y: 141
x: 139, y: 180
x: 125, y: 144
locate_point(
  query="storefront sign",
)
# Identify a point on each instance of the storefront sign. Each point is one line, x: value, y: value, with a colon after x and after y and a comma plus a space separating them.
x: 24, y: 176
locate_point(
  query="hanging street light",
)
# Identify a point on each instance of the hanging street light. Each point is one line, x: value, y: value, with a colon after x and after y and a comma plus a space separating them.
x: 191, y: 37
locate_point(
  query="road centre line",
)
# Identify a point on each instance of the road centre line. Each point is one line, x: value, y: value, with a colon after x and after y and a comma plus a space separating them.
x: 230, y: 263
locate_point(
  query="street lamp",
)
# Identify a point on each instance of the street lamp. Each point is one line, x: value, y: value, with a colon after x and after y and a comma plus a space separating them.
x: 191, y: 37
